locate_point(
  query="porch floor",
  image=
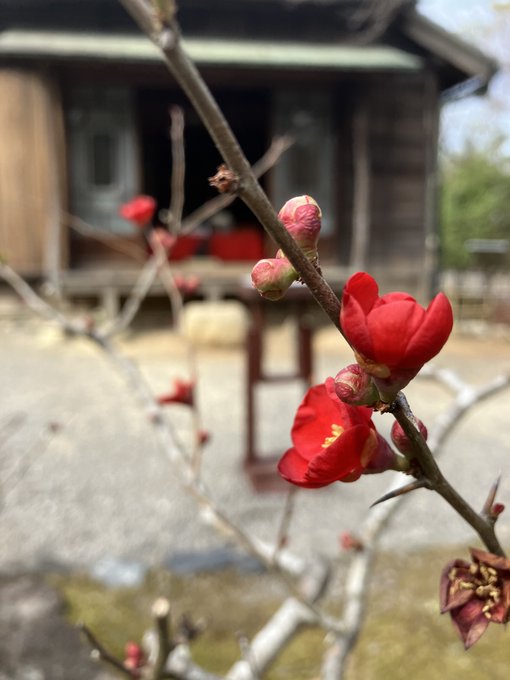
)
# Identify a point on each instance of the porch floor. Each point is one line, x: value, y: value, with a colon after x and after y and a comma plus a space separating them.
x: 218, y: 280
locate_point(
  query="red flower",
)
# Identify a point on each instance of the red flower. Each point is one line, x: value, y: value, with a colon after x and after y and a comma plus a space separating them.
x: 139, y: 210
x: 392, y: 336
x: 476, y: 594
x: 332, y: 442
x: 182, y: 393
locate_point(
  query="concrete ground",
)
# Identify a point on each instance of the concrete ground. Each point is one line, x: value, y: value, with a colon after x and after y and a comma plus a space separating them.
x: 83, y: 483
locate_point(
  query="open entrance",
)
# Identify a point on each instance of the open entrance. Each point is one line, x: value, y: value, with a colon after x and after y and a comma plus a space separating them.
x: 234, y: 234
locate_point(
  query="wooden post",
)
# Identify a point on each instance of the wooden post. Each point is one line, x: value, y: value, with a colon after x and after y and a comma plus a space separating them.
x: 430, y: 272
x: 361, y: 199
x: 54, y: 122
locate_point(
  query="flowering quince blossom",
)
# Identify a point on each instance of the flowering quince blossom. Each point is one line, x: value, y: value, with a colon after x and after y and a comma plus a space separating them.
x: 476, y: 594
x: 332, y: 442
x: 392, y: 336
x: 139, y: 210
x: 182, y: 393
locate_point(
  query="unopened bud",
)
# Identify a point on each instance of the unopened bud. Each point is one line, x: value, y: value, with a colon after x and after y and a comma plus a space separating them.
x: 273, y: 277
x: 301, y: 216
x: 496, y: 510
x: 349, y: 541
x: 401, y: 440
x: 355, y: 387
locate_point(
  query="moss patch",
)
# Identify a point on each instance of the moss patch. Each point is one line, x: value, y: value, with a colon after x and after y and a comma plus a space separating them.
x: 404, y: 635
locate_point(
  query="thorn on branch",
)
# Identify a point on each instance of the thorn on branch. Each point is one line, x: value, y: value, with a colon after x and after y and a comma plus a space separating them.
x: 407, y: 488
x: 492, y: 510
x: 225, y: 181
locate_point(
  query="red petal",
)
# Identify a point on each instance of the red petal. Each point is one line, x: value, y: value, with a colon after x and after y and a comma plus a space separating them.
x: 359, y: 296
x: 432, y: 333
x: 470, y: 621
x: 341, y: 458
x: 364, y: 289
x: 495, y: 561
x: 293, y: 468
x: 392, y: 328
x: 445, y: 583
x: 314, y: 418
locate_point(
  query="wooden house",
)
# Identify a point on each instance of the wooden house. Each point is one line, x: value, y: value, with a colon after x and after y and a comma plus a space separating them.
x: 358, y: 83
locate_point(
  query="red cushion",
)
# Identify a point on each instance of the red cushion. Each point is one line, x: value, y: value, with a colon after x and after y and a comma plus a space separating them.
x: 241, y: 244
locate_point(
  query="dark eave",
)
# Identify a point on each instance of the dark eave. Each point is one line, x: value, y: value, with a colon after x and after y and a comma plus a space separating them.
x: 470, y: 62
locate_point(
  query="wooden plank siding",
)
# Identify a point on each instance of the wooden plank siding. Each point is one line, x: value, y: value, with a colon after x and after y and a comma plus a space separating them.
x: 399, y: 142
x: 31, y: 170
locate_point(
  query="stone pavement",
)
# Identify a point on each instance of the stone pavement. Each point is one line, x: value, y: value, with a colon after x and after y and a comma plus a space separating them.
x: 83, y: 483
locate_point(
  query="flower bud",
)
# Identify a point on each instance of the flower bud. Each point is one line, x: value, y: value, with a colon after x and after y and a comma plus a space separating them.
x: 301, y: 216
x: 401, y: 440
x: 273, y: 277
x: 355, y: 387
x: 349, y: 541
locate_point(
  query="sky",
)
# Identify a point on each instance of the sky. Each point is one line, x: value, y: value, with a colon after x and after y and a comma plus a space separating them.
x: 486, y: 24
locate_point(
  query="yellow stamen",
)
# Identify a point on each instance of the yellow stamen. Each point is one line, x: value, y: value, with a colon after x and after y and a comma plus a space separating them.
x: 336, y: 431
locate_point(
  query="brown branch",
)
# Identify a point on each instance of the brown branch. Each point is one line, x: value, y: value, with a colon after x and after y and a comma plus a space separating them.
x: 360, y: 570
x: 161, y: 615
x: 117, y: 243
x: 278, y: 147
x: 99, y: 652
x: 178, y: 169
x: 437, y: 481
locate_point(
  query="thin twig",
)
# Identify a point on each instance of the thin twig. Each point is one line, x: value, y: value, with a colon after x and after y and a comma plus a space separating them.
x: 118, y: 243
x: 99, y: 652
x: 278, y: 147
x: 178, y: 169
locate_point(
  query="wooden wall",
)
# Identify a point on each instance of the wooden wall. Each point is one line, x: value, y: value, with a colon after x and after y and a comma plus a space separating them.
x: 391, y: 192
x: 31, y: 171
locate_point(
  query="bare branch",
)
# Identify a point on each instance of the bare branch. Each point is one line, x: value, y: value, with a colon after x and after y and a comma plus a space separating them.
x: 178, y: 169
x: 117, y: 243
x: 278, y: 147
x: 100, y: 653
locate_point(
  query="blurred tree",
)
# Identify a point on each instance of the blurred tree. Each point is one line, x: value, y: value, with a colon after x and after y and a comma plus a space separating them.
x: 475, y: 202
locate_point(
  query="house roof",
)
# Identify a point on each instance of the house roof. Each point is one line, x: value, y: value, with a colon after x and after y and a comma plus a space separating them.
x: 314, y: 34
x: 210, y: 52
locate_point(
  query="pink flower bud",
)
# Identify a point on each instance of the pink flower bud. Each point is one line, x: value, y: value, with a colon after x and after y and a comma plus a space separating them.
x: 354, y: 386
x: 301, y: 216
x: 203, y: 437
x: 349, y: 541
x: 273, y: 277
x: 496, y: 510
x: 401, y: 440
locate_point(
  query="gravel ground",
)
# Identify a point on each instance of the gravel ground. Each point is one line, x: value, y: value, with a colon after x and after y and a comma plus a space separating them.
x: 83, y: 483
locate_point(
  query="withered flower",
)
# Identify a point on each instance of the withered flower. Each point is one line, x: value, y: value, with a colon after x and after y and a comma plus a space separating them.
x: 476, y: 594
